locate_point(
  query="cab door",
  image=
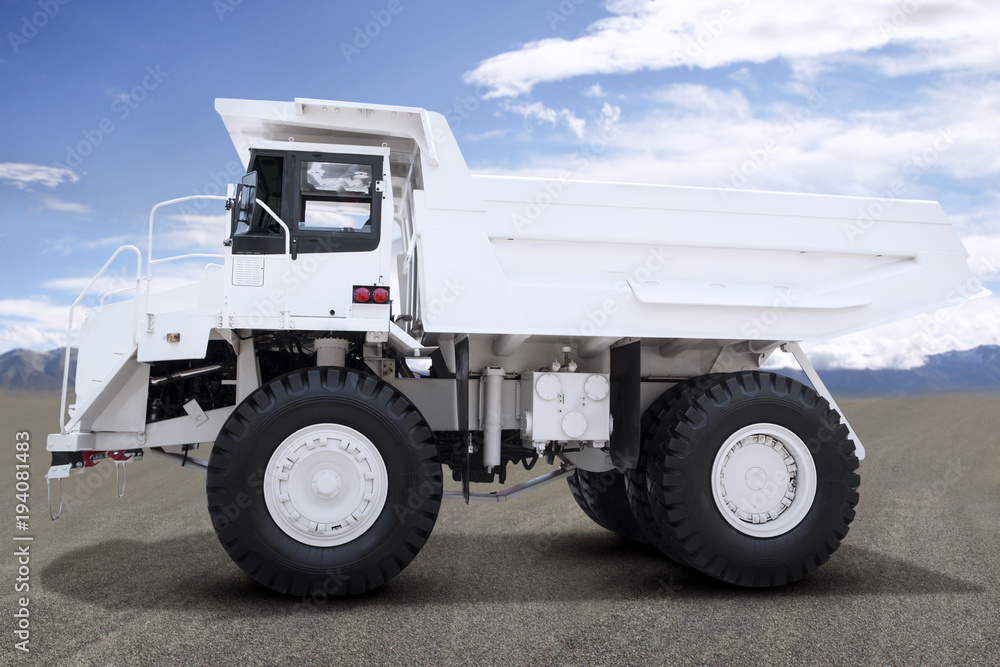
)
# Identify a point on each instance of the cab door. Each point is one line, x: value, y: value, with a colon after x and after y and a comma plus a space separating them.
x: 333, y: 204
x: 337, y: 229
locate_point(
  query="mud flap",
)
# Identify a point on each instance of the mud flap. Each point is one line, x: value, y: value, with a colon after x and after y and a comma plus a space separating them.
x: 625, y: 403
x: 462, y: 382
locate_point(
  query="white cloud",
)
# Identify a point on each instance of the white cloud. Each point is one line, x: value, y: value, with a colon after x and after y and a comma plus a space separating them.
x: 54, y: 204
x: 745, y: 78
x: 908, y: 343
x: 984, y: 256
x: 36, y: 324
x: 35, y: 311
x: 120, y: 280
x: 658, y: 34
x: 698, y: 135
x: 483, y: 136
x: 542, y: 113
x: 192, y: 233
x: 14, y: 336
x: 22, y: 175
x: 595, y: 91
x: 69, y: 245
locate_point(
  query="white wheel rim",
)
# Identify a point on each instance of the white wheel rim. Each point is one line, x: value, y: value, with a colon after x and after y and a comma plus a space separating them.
x: 325, y: 485
x: 764, y: 480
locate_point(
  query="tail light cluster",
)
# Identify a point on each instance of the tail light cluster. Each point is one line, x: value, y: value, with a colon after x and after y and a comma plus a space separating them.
x: 373, y: 294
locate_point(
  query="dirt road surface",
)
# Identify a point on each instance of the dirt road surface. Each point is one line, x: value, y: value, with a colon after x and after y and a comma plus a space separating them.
x: 144, y: 581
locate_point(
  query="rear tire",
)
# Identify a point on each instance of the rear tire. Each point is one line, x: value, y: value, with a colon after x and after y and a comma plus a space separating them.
x: 323, y: 482
x: 635, y: 479
x: 602, y: 497
x: 753, y: 480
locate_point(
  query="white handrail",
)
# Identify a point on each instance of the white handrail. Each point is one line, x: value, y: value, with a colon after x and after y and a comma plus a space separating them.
x: 288, y: 234
x: 149, y: 251
x: 69, y: 326
x: 191, y: 255
x: 114, y: 291
x: 152, y: 212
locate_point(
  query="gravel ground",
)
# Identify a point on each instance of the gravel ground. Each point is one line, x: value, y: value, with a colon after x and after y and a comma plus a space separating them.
x: 143, y: 580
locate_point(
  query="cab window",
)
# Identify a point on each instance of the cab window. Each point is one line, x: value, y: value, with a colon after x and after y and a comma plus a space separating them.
x: 335, y: 197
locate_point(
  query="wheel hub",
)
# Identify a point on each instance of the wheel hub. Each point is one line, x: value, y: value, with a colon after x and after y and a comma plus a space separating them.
x: 764, y: 480
x: 756, y: 478
x: 325, y: 485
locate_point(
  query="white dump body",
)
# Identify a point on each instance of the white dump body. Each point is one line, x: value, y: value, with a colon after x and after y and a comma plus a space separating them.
x: 618, y: 260
x: 558, y: 257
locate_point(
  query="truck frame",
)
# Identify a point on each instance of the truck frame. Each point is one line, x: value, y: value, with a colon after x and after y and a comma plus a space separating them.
x: 377, y: 314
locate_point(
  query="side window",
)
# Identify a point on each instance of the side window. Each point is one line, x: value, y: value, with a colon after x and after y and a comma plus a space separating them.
x: 335, y: 197
x: 270, y: 169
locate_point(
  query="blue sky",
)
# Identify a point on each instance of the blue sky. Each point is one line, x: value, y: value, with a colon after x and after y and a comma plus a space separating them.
x: 108, y: 108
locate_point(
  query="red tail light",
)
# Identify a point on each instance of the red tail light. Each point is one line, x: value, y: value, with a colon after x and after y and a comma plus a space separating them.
x: 381, y: 295
x: 362, y: 295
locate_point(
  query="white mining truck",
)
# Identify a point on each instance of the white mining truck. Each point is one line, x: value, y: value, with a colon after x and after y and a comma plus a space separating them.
x: 614, y: 330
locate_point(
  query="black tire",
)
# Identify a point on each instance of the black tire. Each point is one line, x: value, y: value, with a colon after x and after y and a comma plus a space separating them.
x: 680, y: 479
x: 602, y: 497
x: 635, y: 478
x: 303, y: 399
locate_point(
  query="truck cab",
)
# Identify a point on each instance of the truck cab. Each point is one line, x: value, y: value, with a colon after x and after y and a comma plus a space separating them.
x: 339, y: 212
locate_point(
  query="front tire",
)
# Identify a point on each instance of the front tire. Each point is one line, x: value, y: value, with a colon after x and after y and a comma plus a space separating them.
x: 753, y: 479
x: 323, y: 482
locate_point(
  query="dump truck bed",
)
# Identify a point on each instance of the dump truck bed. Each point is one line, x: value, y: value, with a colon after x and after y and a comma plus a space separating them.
x: 557, y: 257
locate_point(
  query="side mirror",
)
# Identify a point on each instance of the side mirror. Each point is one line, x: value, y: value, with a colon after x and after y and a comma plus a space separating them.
x: 246, y: 203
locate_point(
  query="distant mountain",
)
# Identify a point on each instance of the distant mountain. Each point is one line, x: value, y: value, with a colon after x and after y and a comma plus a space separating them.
x: 27, y: 371
x: 975, y: 370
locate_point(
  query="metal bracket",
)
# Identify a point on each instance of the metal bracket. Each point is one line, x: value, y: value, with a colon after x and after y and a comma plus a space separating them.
x: 120, y: 469
x: 564, y: 471
x: 189, y: 462
x: 56, y: 472
x: 817, y: 383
